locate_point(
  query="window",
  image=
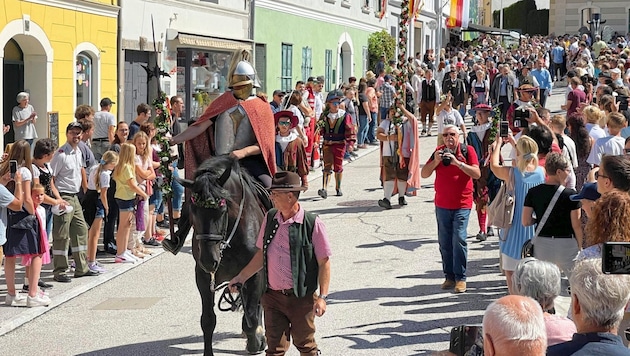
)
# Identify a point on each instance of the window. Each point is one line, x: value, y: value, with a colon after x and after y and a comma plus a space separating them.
x: 328, y: 70
x: 379, y: 6
x: 84, y: 82
x: 307, y: 63
x: 202, y: 76
x: 287, y: 67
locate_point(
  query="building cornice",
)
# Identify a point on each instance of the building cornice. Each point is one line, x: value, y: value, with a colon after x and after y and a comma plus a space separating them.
x: 297, y: 10
x: 198, y: 5
x: 87, y: 7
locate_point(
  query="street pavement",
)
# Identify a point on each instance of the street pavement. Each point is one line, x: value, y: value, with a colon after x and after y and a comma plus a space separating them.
x: 385, y: 296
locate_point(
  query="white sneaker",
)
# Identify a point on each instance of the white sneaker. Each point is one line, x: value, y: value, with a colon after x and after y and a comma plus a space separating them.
x: 37, y: 301
x: 127, y: 254
x: 17, y: 300
x: 123, y: 259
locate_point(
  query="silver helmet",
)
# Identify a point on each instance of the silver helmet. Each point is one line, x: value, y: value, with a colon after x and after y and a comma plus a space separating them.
x: 244, y: 74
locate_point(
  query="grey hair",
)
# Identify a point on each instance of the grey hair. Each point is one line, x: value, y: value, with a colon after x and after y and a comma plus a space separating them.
x: 602, y: 297
x: 22, y: 95
x: 522, y: 323
x: 539, y: 280
x: 554, y: 162
x: 447, y: 127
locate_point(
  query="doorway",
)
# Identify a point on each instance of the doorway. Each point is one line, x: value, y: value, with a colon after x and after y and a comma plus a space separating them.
x: 136, y: 82
x: 12, y: 83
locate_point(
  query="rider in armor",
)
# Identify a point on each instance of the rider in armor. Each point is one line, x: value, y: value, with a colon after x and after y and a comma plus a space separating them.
x: 237, y: 123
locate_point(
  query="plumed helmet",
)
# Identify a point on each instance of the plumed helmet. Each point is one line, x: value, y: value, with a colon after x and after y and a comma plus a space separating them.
x: 244, y: 74
x: 335, y: 94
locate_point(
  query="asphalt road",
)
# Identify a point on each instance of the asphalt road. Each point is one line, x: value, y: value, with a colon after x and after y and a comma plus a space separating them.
x: 385, y: 296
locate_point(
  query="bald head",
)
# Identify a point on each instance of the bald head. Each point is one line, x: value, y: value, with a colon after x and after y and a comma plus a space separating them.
x: 514, y: 325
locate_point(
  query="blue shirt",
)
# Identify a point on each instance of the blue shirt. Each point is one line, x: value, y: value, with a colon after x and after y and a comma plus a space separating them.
x: 6, y: 198
x: 590, y: 344
x: 557, y: 54
x: 543, y: 77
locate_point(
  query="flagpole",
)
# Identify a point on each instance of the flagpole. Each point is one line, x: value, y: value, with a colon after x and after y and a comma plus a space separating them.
x: 438, y: 31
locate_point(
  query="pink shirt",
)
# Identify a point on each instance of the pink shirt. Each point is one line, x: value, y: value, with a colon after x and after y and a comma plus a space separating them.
x: 278, y: 255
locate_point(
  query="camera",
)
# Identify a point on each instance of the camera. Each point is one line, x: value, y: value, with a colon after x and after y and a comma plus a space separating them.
x: 466, y: 338
x: 446, y: 160
x: 616, y: 258
x: 520, y: 115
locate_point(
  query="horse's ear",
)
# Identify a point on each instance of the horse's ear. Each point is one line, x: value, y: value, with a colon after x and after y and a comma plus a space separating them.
x: 186, y: 182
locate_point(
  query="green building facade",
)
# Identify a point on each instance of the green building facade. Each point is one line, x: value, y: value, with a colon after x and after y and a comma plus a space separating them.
x: 293, y: 42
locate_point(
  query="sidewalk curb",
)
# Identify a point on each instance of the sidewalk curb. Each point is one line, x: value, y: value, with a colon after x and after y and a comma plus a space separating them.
x: 30, y: 314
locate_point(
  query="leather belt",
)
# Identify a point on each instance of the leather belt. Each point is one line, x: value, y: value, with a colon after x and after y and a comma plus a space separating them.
x: 100, y: 139
x: 287, y: 292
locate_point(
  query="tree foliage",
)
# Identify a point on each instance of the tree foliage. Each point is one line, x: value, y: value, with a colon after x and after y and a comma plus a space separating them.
x: 380, y: 43
x: 534, y: 21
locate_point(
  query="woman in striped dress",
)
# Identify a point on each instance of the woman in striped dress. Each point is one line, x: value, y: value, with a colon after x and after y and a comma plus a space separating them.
x: 526, y: 174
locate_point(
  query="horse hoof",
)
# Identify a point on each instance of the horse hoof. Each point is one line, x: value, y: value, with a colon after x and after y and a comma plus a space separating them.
x: 256, y: 345
x: 322, y: 193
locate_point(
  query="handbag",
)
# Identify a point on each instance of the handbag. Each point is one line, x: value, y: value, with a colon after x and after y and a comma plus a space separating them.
x: 501, y: 210
x: 528, y: 246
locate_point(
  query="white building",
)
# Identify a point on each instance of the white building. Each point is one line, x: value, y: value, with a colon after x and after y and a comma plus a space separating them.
x: 194, y: 42
x: 568, y: 16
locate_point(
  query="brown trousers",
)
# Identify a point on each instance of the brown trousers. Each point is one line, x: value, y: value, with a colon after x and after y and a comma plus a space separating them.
x: 288, y: 316
x: 427, y: 108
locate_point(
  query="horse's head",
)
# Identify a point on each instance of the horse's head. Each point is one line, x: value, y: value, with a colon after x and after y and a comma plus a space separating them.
x: 209, y: 209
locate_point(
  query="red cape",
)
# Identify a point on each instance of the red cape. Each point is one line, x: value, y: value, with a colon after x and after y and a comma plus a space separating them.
x: 260, y: 116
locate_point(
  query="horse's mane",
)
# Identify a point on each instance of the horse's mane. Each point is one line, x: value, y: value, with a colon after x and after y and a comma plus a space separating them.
x: 210, y: 171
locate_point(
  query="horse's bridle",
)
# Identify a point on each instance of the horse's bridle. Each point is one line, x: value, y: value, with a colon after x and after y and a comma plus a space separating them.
x: 223, y: 238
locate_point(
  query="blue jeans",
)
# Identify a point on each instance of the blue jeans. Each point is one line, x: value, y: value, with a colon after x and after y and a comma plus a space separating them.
x: 371, y: 134
x: 452, y: 225
x: 363, y: 129
x: 178, y: 189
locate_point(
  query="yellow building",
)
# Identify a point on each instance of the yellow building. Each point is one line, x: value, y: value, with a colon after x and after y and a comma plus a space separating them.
x: 62, y: 52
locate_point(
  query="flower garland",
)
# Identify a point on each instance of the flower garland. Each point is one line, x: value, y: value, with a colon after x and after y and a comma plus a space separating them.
x: 403, y: 69
x: 196, y: 199
x: 495, y: 118
x: 162, y: 126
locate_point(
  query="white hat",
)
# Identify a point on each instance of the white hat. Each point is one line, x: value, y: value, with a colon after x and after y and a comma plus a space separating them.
x: 616, y: 70
x: 58, y: 211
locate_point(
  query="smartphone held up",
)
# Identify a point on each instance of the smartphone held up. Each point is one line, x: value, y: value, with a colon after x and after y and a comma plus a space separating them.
x: 13, y: 167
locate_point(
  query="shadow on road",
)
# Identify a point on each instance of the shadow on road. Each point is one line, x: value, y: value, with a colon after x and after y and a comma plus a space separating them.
x: 168, y: 347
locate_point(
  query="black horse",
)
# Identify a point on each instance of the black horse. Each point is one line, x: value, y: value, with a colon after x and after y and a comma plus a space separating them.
x: 226, y: 212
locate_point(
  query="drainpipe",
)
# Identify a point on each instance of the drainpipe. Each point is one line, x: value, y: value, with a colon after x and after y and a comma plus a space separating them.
x: 252, y: 15
x: 120, y: 64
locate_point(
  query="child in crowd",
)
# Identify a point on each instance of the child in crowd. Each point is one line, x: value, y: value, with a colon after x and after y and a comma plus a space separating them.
x: 144, y: 177
x: 152, y: 235
x: 26, y: 238
x: 42, y: 174
x: 126, y: 190
x: 98, y: 183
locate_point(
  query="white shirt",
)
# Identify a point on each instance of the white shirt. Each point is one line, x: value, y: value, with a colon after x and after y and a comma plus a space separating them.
x: 610, y: 145
x: 66, y: 168
x: 102, y: 121
x: 452, y: 117
x: 569, y: 150
x: 104, y: 178
x: 595, y: 131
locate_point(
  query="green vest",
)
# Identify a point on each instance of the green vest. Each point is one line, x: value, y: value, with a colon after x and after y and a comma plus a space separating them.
x: 304, y: 266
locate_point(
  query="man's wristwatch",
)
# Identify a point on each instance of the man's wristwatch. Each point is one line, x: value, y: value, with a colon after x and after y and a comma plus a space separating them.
x: 461, y: 165
x: 323, y: 296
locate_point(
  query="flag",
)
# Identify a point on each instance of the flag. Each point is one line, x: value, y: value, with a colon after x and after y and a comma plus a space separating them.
x: 414, y: 8
x: 383, y: 9
x: 459, y: 16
